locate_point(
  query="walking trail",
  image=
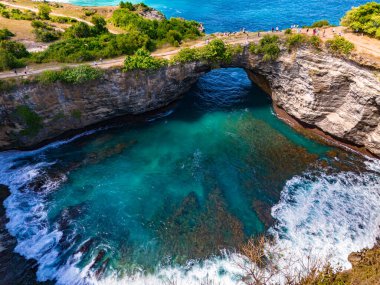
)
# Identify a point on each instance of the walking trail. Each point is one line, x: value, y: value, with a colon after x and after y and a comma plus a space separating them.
x: 365, y: 46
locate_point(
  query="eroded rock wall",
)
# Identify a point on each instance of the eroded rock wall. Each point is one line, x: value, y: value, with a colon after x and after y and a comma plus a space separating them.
x: 334, y: 94
x: 66, y: 107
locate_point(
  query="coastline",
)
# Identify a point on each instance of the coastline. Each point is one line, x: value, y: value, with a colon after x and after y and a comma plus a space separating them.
x: 318, y: 135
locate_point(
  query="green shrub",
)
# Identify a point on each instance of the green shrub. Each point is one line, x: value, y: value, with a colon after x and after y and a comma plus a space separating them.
x: 76, y: 75
x: 340, y: 45
x: 63, y: 20
x: 142, y: 60
x: 44, y: 32
x: 268, y: 46
x: 320, y: 24
x: 364, y: 19
x: 99, y: 25
x: 8, y: 60
x: 46, y: 36
x: 235, y: 49
x: 17, y: 14
x: 172, y: 31
x: 187, y: 55
x: 87, y: 49
x: 83, y: 30
x: 16, y: 48
x: 295, y: 40
x: 79, y: 30
x: 215, y: 51
x: 32, y: 121
x: 12, y: 55
x: 315, y: 41
x: 127, y: 5
x: 89, y: 13
x: 44, y: 11
x: 288, y: 31
x: 6, y: 34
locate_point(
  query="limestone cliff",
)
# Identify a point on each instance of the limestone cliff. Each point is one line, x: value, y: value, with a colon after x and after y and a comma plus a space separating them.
x: 336, y: 95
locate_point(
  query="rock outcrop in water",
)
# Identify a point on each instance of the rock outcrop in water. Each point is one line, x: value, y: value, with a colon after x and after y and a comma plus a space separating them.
x: 338, y: 96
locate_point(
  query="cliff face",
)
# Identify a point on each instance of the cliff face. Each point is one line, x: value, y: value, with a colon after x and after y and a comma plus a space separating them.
x: 338, y: 96
x: 66, y: 107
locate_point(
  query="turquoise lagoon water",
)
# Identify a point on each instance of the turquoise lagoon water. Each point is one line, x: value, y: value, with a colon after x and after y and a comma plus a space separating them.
x: 169, y: 197
x: 227, y: 16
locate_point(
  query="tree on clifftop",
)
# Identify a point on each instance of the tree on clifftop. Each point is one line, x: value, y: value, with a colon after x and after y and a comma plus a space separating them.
x: 364, y: 19
x: 43, y: 11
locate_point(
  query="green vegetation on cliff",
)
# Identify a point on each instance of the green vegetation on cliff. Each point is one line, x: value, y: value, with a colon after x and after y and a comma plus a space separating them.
x: 17, y: 14
x: 215, y: 51
x: 12, y: 54
x: 172, y: 31
x: 296, y: 40
x: 269, y: 47
x: 142, y: 60
x: 364, y: 19
x: 44, y: 32
x: 82, y: 42
x: 32, y: 121
x: 76, y: 75
x: 340, y: 45
x: 92, y: 48
x: 320, y: 24
x: 5, y: 34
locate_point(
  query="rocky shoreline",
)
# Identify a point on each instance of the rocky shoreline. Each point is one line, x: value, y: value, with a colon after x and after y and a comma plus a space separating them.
x: 335, y: 96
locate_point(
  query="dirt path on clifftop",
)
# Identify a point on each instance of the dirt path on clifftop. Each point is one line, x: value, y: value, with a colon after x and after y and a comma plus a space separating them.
x: 367, y: 50
x: 105, y: 64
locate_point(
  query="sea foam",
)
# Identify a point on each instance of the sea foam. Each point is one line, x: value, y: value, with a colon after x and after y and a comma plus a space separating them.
x: 322, y: 216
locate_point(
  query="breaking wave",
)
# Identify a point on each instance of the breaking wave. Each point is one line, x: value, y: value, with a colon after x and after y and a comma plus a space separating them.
x: 323, y: 215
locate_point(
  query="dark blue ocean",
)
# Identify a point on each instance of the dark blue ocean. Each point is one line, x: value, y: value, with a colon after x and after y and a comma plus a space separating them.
x: 227, y: 16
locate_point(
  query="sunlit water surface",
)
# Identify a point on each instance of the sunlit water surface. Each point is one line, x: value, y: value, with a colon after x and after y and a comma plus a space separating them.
x: 227, y: 16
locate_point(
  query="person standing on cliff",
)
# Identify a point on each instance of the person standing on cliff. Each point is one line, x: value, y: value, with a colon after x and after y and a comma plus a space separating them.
x: 277, y: 29
x: 272, y: 30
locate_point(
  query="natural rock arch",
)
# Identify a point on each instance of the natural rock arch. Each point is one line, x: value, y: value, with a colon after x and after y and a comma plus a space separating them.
x: 336, y: 95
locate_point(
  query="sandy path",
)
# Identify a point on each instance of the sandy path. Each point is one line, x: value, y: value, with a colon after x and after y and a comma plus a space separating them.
x: 115, y: 62
x: 364, y: 45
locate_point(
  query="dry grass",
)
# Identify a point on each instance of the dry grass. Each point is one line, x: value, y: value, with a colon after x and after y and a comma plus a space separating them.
x: 365, y: 267
x: 67, y: 9
x: 22, y: 29
x: 365, y: 271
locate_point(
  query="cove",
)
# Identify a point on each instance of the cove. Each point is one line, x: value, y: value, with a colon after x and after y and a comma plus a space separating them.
x: 227, y: 16
x: 170, y: 196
